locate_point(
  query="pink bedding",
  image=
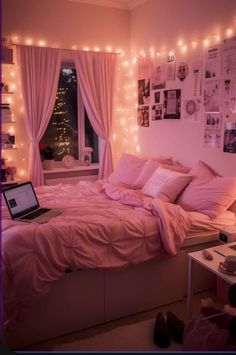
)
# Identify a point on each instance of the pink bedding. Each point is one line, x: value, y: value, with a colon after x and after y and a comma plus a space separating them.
x: 103, y: 226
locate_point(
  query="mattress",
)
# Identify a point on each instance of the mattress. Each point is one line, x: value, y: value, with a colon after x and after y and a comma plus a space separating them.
x: 96, y: 230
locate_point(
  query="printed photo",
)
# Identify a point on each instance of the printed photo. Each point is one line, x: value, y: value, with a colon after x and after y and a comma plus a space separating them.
x: 172, y: 103
x: 158, y: 77
x: 143, y: 116
x: 230, y: 137
x: 143, y: 91
x: 156, y: 112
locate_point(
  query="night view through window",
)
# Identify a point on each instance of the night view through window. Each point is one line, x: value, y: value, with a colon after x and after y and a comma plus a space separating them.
x: 62, y: 131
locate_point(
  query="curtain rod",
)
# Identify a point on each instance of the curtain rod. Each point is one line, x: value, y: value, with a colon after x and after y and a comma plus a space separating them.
x: 65, y: 49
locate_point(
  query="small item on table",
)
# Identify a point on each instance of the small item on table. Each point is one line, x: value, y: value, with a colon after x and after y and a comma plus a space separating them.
x: 207, y: 255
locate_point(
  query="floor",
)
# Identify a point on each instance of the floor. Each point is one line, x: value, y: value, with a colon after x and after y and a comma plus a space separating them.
x: 134, y: 333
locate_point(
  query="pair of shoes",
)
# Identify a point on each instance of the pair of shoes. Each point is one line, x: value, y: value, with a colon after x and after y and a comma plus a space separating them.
x: 161, y: 335
x: 175, y: 327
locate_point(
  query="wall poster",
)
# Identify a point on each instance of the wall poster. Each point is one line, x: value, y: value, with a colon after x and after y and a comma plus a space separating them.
x: 230, y: 137
x: 156, y: 112
x: 143, y: 116
x: 213, y: 63
x: 172, y: 103
x: 212, y: 131
x: 212, y: 100
x: 192, y: 109
x: 143, y: 91
x: 229, y: 57
x: 158, y: 76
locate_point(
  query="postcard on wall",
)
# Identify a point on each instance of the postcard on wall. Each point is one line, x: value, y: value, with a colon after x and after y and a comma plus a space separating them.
x: 171, y: 66
x: 143, y: 91
x: 156, y: 97
x: 158, y: 75
x: 212, y: 130
x: 143, y: 116
x: 229, y: 57
x: 192, y: 109
x: 182, y: 70
x: 197, y: 77
x: 230, y: 137
x: 156, y: 112
x: 213, y: 62
x: 232, y: 94
x: 144, y: 67
x: 172, y: 103
x: 212, y: 100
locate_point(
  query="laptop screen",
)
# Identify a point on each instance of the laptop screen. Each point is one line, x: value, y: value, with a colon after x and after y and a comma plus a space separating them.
x: 20, y: 199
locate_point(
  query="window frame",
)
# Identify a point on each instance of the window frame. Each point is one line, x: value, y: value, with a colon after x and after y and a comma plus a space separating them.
x: 68, y: 63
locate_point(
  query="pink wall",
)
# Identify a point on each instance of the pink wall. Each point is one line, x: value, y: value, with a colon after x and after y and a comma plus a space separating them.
x: 157, y: 23
x: 66, y: 23
x: 160, y: 24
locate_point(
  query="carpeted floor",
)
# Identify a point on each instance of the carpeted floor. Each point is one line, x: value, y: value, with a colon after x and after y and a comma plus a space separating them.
x: 134, y: 333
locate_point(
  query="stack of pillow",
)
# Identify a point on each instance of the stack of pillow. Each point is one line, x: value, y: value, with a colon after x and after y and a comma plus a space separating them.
x: 198, y: 189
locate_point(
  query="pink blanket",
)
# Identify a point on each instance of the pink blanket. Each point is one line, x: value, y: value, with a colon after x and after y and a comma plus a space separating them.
x: 102, y: 226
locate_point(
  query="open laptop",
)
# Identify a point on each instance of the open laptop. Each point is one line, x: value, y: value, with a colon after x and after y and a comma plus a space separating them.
x: 23, y: 204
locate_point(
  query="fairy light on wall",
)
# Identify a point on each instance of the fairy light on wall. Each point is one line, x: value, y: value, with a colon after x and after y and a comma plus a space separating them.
x: 125, y: 123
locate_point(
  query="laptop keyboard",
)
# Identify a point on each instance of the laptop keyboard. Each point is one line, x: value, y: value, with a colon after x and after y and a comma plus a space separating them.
x: 36, y: 213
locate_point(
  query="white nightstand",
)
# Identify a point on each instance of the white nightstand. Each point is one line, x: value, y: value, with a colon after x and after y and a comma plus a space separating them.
x: 211, y: 265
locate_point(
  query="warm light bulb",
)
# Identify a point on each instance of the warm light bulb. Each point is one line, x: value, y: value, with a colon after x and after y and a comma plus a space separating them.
x: 109, y: 48
x: 194, y: 44
x: 74, y: 46
x: 217, y: 38
x: 206, y: 42
x: 41, y: 43
x: 13, y: 87
x: 180, y: 42
x: 86, y: 49
x: 28, y: 42
x: 11, y: 130
x: 229, y: 32
x: 96, y: 49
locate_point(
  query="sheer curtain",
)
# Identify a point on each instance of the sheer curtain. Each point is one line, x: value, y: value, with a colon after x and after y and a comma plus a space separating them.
x: 96, y: 73
x: 39, y: 74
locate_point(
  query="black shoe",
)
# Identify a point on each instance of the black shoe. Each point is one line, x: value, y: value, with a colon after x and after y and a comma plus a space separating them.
x: 161, y: 336
x: 175, y: 327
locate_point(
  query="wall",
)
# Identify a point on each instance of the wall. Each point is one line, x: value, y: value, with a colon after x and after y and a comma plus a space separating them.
x: 63, y: 24
x: 156, y: 23
x: 159, y: 24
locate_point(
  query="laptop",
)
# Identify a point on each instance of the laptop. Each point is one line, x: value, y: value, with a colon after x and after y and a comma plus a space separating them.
x: 226, y: 249
x: 23, y: 204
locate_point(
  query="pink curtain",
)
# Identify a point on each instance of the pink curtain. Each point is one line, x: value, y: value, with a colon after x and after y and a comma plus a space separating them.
x: 96, y: 73
x: 39, y: 73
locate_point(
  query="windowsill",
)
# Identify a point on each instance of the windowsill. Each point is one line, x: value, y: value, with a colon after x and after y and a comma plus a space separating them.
x: 62, y: 169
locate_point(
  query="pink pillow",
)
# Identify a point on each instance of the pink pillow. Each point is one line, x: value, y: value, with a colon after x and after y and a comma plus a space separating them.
x: 152, y: 164
x: 127, y: 169
x: 208, y: 193
x: 148, y: 169
x: 166, y: 184
x: 177, y: 167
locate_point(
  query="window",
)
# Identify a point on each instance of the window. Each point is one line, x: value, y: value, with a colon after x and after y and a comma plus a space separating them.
x: 69, y: 129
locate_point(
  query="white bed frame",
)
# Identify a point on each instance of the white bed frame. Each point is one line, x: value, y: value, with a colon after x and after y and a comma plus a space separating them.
x: 87, y: 298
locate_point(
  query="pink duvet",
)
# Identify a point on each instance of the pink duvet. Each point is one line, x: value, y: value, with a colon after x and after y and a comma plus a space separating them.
x: 102, y: 226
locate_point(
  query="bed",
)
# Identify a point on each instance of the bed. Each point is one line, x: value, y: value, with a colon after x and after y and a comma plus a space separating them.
x: 105, y: 257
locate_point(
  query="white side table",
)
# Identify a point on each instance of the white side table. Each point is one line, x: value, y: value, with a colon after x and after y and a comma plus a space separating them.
x: 211, y: 265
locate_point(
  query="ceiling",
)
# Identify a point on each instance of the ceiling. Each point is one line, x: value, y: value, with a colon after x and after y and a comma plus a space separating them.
x: 119, y: 4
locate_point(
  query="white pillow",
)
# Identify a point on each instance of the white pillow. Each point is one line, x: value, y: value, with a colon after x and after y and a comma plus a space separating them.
x: 166, y: 184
